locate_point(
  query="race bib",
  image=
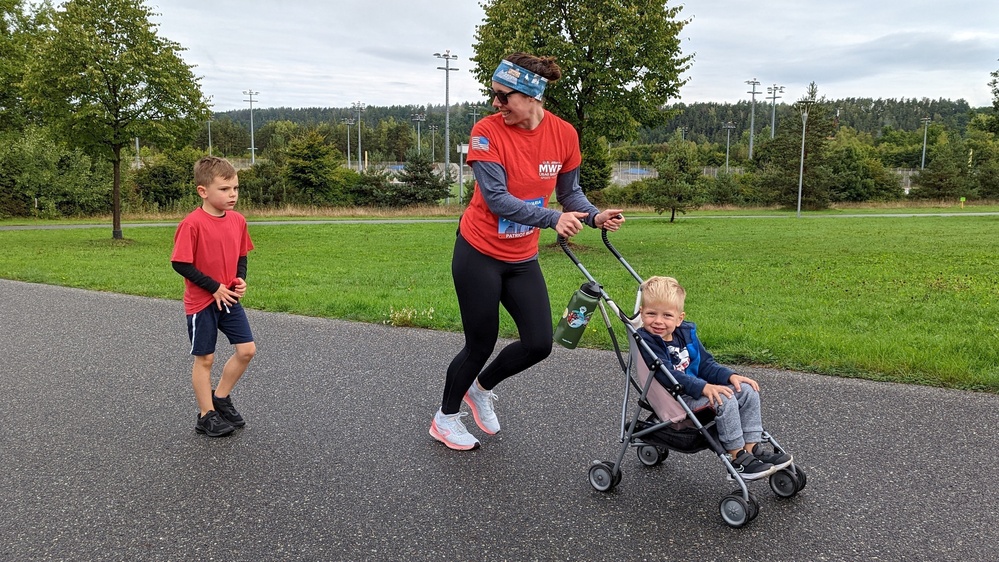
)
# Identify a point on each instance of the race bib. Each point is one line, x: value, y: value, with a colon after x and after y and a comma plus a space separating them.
x: 510, y: 229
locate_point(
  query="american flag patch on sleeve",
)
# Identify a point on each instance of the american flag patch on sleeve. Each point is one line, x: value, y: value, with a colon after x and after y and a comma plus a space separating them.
x: 480, y: 143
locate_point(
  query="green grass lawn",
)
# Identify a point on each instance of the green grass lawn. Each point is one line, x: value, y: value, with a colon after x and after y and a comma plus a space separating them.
x: 907, y: 299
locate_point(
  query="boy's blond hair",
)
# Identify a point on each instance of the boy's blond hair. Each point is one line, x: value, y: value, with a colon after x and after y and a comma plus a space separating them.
x: 663, y: 290
x: 211, y: 167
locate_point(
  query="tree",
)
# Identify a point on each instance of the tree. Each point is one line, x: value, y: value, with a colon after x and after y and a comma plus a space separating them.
x: 310, y: 166
x: 993, y: 122
x: 228, y: 138
x: 987, y: 175
x: 621, y: 61
x: 947, y: 175
x: 103, y: 76
x: 860, y: 175
x: 724, y: 189
x: 18, y: 33
x: 166, y: 179
x: 677, y: 187
x: 275, y: 136
x: 41, y: 176
x: 393, y: 139
x: 595, y: 171
x: 780, y: 161
x: 904, y: 149
x: 423, y: 185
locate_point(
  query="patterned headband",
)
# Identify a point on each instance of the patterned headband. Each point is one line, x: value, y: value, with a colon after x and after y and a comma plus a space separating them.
x: 520, y: 79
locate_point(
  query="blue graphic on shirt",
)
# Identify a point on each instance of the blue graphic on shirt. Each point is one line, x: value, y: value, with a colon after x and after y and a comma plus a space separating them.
x: 510, y: 229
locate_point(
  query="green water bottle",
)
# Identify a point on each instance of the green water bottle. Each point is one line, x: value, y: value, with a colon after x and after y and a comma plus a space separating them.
x: 577, y: 315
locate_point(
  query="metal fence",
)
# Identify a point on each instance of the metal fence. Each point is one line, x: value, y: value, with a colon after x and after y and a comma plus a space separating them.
x: 622, y: 173
x: 625, y: 172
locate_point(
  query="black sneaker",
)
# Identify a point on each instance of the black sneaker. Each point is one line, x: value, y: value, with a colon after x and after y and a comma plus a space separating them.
x: 225, y: 409
x: 779, y: 460
x: 750, y: 467
x: 213, y: 425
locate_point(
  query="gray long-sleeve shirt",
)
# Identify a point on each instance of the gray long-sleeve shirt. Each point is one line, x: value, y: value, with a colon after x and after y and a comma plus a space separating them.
x: 491, y: 178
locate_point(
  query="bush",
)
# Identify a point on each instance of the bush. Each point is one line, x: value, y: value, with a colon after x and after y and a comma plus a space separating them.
x: 40, y: 176
x: 625, y: 195
x: 723, y: 189
x: 167, y: 178
x: 373, y: 189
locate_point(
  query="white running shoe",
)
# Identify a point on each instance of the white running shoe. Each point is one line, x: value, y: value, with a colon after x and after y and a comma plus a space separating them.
x: 449, y: 430
x: 481, y: 404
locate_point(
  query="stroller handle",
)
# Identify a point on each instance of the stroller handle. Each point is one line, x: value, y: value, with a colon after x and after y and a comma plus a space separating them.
x: 563, y: 242
x: 620, y: 258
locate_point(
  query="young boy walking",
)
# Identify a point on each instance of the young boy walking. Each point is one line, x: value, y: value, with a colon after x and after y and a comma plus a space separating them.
x: 209, y: 251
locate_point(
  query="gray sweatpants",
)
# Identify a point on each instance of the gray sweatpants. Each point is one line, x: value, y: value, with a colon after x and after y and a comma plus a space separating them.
x: 738, y: 419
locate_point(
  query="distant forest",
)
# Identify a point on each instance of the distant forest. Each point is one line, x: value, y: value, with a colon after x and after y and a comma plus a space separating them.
x: 703, y: 121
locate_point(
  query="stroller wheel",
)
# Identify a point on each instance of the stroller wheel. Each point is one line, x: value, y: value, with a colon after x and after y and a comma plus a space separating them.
x: 736, y: 512
x: 801, y: 477
x: 602, y: 476
x: 754, y: 504
x: 651, y: 455
x: 785, y: 483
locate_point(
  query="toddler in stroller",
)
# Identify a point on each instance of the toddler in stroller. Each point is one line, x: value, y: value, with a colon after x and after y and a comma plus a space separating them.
x: 706, y: 383
x: 693, y: 402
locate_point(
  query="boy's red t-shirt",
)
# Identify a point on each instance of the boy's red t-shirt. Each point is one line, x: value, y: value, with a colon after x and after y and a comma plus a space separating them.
x: 214, y: 245
x: 532, y: 160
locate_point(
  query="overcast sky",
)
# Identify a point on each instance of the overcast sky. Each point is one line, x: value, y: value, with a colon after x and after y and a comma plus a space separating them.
x: 322, y: 53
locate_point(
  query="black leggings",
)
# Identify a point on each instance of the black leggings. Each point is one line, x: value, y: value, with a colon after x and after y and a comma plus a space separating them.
x: 483, y: 283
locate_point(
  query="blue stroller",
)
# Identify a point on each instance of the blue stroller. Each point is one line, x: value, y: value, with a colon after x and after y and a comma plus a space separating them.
x: 669, y: 424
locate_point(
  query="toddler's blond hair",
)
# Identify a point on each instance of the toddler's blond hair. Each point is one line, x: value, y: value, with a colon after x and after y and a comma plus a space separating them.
x: 663, y: 290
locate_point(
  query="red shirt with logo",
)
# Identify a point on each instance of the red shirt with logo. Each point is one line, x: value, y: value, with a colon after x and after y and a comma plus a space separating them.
x: 532, y: 160
x: 214, y: 245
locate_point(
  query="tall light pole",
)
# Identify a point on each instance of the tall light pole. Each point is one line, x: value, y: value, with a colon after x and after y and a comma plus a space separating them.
x: 803, y: 106
x: 752, y: 114
x: 209, y: 137
x: 253, y: 146
x: 683, y: 133
x: 926, y: 126
x: 419, y: 118
x: 448, y: 57
x: 359, y: 107
x: 475, y: 113
x: 348, y: 122
x: 773, y: 91
x: 433, y: 142
x: 728, y: 139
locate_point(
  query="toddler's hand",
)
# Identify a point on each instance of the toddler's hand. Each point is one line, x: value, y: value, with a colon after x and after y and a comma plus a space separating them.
x: 737, y: 380
x: 714, y: 393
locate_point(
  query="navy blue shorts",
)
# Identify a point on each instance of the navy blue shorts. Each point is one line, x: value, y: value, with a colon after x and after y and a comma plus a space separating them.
x: 203, y: 327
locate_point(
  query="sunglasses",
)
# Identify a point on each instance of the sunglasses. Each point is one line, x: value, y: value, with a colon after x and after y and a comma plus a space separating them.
x: 504, y: 97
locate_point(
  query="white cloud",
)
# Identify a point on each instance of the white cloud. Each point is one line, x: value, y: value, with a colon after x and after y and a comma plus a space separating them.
x: 306, y: 53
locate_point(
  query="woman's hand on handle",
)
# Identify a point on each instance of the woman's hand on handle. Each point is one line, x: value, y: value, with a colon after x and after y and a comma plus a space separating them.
x: 570, y: 223
x: 610, y: 219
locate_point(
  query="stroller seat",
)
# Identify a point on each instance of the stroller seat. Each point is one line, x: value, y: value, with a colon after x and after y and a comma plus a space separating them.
x: 678, y: 432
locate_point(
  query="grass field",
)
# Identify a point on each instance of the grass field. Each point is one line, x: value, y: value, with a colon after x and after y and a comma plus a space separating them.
x: 907, y: 299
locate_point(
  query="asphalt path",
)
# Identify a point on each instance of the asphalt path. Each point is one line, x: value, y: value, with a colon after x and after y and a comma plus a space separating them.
x: 99, y: 459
